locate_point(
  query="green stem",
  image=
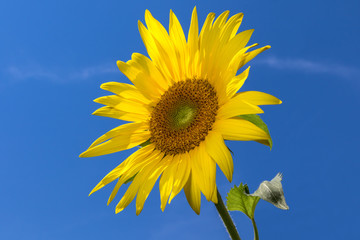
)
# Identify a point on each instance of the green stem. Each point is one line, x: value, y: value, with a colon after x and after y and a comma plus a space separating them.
x: 225, y: 216
x: 256, y: 234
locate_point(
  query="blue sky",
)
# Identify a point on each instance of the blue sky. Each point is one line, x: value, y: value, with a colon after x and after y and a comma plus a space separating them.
x: 55, y: 54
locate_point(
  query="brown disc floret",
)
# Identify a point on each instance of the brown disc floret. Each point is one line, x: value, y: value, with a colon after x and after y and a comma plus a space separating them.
x: 183, y: 116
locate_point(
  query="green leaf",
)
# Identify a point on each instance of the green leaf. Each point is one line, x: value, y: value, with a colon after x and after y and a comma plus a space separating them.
x: 255, y: 119
x: 144, y: 144
x: 238, y: 199
x: 130, y: 179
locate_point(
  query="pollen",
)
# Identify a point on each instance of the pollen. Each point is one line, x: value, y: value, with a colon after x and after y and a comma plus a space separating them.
x: 182, y: 118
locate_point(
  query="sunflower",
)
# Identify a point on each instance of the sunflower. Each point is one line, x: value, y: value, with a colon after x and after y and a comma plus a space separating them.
x: 183, y: 104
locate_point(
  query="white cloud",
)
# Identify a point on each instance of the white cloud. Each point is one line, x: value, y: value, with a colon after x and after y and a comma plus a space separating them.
x: 311, y: 66
x: 30, y: 73
x: 23, y: 73
x: 93, y: 71
x: 37, y: 72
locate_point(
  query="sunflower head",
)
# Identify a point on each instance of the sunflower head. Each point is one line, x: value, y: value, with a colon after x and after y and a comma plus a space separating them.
x: 184, y: 102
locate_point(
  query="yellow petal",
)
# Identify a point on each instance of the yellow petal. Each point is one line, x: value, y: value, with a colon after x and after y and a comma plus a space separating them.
x: 140, y: 79
x: 176, y: 32
x: 221, y: 20
x: 231, y: 27
x: 193, y: 43
x: 163, y: 44
x: 124, y: 129
x: 213, y: 40
x: 166, y: 181
x: 138, y: 181
x: 131, y: 169
x: 204, y: 38
x: 125, y: 91
x: 115, y: 113
x: 111, y: 100
x: 239, y: 130
x: 138, y: 157
x: 218, y: 151
x: 232, y: 67
x: 130, y: 193
x: 135, y: 165
x: 214, y: 198
x: 154, y: 77
x: 235, y: 48
x: 250, y: 55
x: 258, y: 98
x: 110, y: 177
x: 128, y: 196
x: 239, y: 41
x: 237, y: 106
x: 222, y: 49
x: 115, y: 191
x: 207, y: 40
x: 229, y: 59
x: 124, y: 104
x: 236, y: 83
x: 206, y: 27
x: 157, y: 29
x: 157, y: 55
x: 117, y: 144
x: 148, y: 184
x: 182, y: 173
x: 203, y: 170
x: 193, y: 195
x: 178, y: 39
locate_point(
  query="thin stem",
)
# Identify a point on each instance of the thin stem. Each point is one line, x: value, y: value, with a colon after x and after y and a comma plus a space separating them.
x: 256, y: 234
x: 225, y: 216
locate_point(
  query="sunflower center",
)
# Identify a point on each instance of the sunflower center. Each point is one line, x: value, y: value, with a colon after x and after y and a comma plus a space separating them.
x: 183, y: 117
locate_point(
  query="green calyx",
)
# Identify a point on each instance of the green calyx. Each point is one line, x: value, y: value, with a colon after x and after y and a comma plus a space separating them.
x: 182, y: 116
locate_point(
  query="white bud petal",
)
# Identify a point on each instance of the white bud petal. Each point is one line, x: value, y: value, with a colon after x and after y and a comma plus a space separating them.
x: 272, y: 192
